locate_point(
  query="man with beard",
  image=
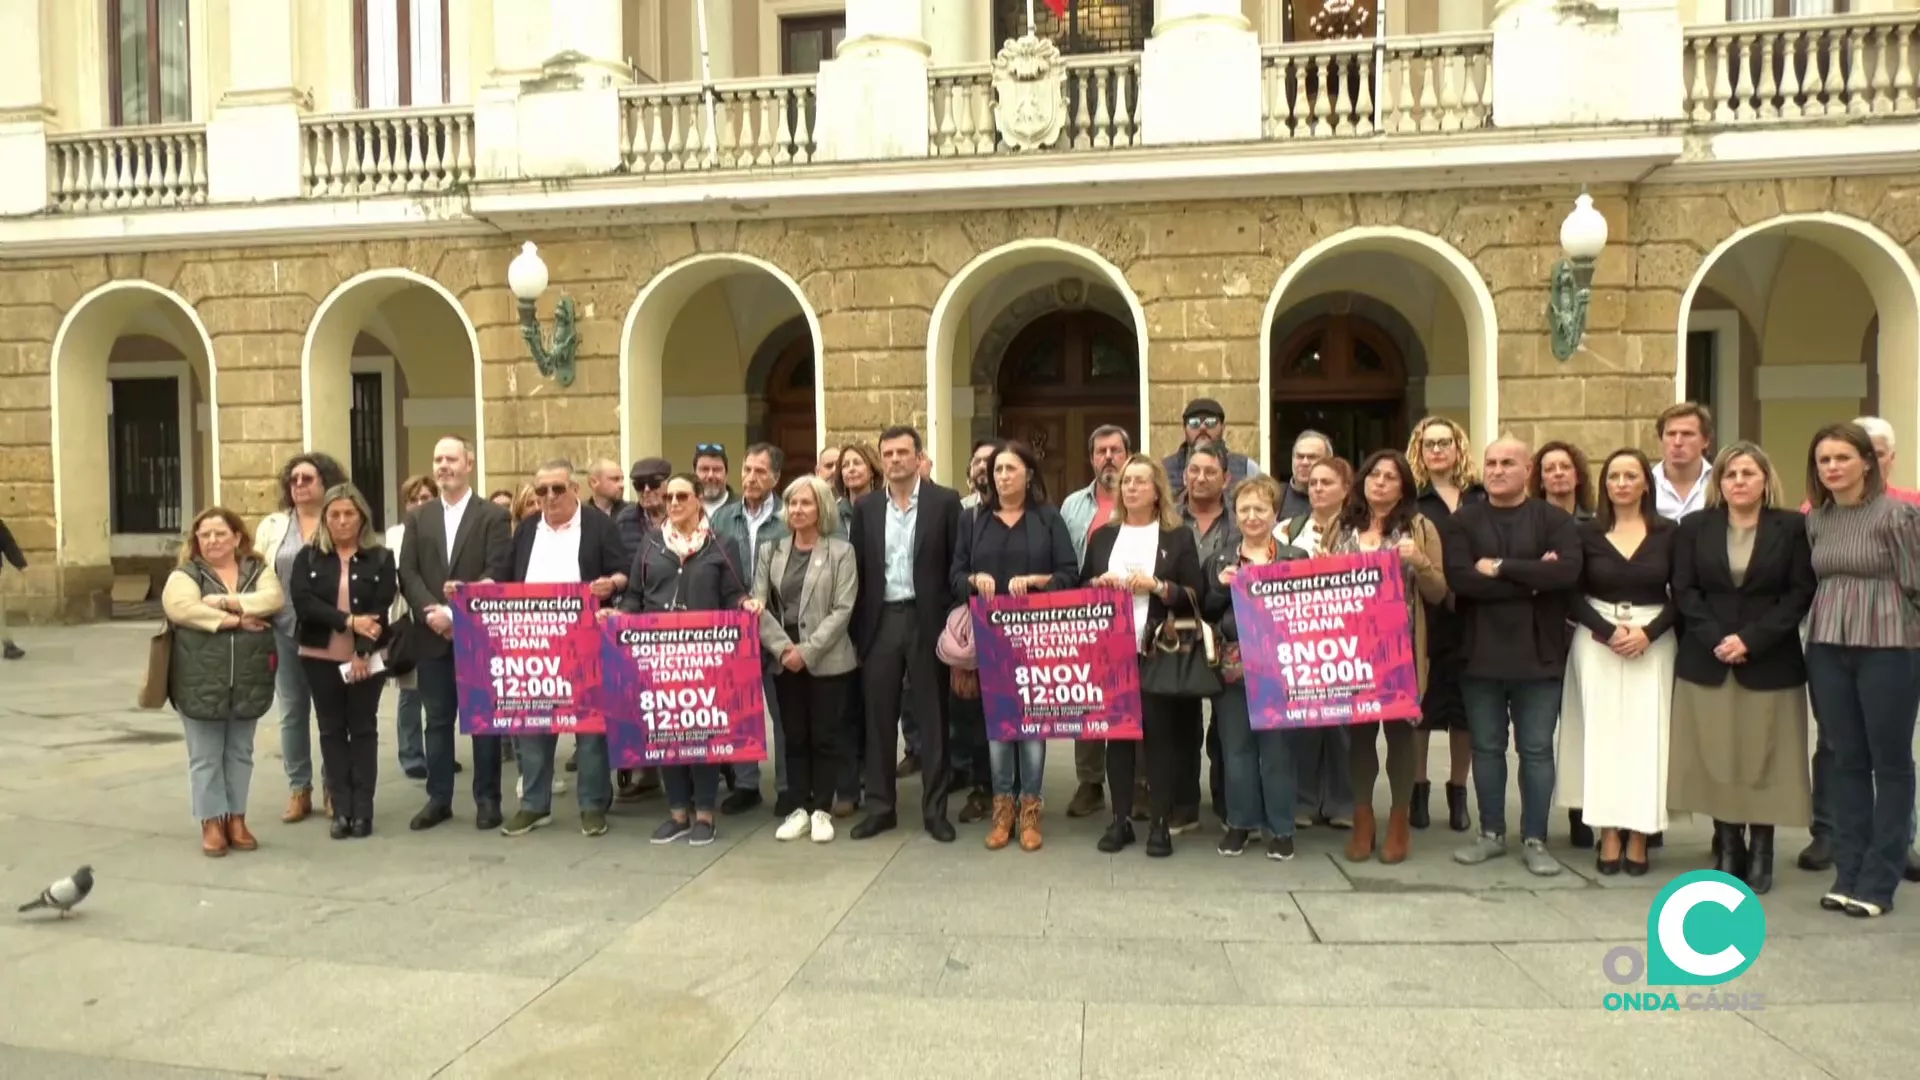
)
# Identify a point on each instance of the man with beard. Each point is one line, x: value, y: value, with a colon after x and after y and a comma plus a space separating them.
x: 710, y: 471
x: 1205, y: 423
x: 979, y: 472
x: 1084, y: 511
x: 1203, y: 506
x: 607, y: 487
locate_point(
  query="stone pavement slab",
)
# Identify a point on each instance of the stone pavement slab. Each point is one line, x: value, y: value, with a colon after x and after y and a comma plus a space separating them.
x: 808, y: 1035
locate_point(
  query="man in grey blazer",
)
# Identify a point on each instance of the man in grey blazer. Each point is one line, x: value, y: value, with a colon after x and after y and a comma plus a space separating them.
x: 455, y: 538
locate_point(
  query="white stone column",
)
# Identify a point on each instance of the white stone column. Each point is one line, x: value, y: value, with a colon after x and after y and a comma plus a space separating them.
x: 1557, y: 68
x: 24, y: 110
x: 1200, y: 77
x: 552, y: 104
x: 955, y: 31
x: 873, y: 96
x: 253, y: 137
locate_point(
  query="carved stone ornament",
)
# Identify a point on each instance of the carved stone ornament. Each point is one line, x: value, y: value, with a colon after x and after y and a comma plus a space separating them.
x: 1030, y: 93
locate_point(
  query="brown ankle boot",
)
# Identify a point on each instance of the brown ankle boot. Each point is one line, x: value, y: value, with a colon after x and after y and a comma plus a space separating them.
x: 299, y: 805
x: 1360, y: 844
x: 1030, y: 823
x: 1002, y: 831
x: 237, y: 835
x: 213, y: 837
x: 1399, y: 835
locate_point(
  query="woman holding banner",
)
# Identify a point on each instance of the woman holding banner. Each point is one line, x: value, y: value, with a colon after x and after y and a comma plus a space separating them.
x: 1323, y: 786
x: 1014, y: 544
x: 1259, y: 764
x: 805, y: 585
x: 685, y: 567
x: 1149, y: 552
x: 1382, y: 514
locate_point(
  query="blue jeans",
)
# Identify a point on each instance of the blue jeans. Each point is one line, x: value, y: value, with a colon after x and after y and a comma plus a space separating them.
x: 1259, y: 767
x: 695, y: 786
x: 1019, y: 764
x: 1864, y: 701
x: 296, y: 713
x: 1533, y: 707
x: 537, y: 754
x: 1822, y: 783
x: 1323, y: 772
x: 413, y: 747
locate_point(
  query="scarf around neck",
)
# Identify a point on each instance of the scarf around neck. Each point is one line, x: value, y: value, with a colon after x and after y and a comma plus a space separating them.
x: 685, y: 546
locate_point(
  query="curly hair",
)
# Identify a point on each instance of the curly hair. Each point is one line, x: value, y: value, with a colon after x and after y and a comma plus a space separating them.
x: 331, y: 474
x: 1582, y: 473
x: 1466, y: 473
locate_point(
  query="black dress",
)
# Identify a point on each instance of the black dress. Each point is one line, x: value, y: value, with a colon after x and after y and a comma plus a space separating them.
x: 1441, y: 707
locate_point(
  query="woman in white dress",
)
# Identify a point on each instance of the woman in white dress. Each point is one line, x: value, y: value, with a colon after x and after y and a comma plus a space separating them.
x: 1619, y: 686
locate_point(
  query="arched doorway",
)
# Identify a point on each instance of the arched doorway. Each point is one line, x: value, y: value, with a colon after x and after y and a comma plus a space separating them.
x: 1062, y: 376
x: 789, y: 422
x: 1344, y: 376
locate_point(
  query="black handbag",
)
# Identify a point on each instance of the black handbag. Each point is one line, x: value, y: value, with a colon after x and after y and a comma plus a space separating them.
x: 399, y: 646
x: 1182, y: 658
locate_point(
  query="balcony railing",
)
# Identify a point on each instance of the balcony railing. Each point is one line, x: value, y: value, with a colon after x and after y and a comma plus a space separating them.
x: 1103, y: 107
x: 1795, y: 69
x: 127, y: 169
x: 754, y: 122
x: 1323, y: 90
x: 388, y: 152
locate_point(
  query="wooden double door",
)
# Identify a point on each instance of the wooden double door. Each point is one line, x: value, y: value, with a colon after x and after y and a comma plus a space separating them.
x: 1062, y: 378
x: 1343, y: 376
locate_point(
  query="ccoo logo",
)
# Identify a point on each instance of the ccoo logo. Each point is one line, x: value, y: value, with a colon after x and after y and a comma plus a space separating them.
x: 1704, y: 929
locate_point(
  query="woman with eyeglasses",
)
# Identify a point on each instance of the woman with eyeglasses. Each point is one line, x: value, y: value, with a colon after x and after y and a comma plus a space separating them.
x: 304, y: 481
x: 1448, y: 472
x: 686, y: 567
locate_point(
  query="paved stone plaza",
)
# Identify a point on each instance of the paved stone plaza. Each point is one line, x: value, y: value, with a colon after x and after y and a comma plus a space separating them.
x: 463, y: 954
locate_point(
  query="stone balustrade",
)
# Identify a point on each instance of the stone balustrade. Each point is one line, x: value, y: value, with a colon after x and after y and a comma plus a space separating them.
x: 1799, y: 69
x: 386, y: 152
x: 1101, y: 100
x: 127, y: 169
x: 752, y: 123
x: 1320, y: 90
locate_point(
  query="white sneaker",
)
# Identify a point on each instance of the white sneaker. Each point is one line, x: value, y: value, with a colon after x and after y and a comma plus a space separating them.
x: 559, y: 786
x: 822, y: 826
x: 793, y: 828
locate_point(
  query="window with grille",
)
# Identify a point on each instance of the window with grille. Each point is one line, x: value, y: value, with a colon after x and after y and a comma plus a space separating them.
x: 400, y: 52
x: 368, y: 439
x: 1090, y: 26
x: 144, y: 440
x: 148, y: 62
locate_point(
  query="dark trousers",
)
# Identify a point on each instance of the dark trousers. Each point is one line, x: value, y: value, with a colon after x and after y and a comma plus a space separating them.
x: 442, y: 700
x: 850, y: 786
x: 1864, y: 701
x: 1165, y: 722
x: 349, y: 722
x: 1216, y: 763
x: 695, y: 786
x: 899, y: 652
x: 1188, y: 737
x: 813, y: 714
x: 969, y: 742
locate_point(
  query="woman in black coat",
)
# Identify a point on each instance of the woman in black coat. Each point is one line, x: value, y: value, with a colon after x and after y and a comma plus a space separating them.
x: 1148, y: 551
x: 1743, y: 580
x: 342, y: 588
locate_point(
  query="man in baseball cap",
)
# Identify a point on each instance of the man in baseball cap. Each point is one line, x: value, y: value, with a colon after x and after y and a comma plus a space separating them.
x: 1204, y: 423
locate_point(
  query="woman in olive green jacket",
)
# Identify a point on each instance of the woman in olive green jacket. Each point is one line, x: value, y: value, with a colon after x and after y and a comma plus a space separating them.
x: 220, y: 602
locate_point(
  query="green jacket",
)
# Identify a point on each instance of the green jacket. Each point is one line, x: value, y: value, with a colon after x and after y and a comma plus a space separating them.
x: 222, y: 674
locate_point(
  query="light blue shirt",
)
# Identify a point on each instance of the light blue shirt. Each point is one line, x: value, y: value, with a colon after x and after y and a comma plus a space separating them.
x: 900, y: 532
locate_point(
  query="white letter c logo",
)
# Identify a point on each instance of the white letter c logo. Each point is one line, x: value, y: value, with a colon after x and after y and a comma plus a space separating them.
x: 1673, y: 936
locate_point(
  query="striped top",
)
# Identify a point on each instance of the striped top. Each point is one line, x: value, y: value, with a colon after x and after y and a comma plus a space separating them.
x: 1867, y: 558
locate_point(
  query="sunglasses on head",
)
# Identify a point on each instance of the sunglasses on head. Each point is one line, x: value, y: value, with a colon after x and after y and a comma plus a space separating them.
x: 545, y: 490
x: 709, y: 448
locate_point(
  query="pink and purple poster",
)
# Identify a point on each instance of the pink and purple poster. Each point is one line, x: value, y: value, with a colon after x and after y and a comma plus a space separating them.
x: 1059, y: 665
x: 525, y: 659
x: 682, y: 688
x: 1326, y: 641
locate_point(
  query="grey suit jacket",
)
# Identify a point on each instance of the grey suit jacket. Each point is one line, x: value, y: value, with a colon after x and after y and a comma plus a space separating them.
x: 826, y: 604
x: 482, y: 550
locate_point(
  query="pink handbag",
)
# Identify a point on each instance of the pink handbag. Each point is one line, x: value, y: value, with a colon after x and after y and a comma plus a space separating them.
x: 955, y: 647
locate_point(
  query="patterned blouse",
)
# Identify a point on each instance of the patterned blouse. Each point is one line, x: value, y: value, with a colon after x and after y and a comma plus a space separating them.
x: 1867, y: 558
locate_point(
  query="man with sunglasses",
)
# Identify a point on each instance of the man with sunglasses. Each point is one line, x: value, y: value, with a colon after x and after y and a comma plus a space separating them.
x: 646, y: 514
x: 710, y: 468
x: 1205, y: 424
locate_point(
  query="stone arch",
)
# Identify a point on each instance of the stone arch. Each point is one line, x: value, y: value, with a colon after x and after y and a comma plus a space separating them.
x: 1461, y: 279
x: 1067, y: 294
x: 643, y: 341
x: 1374, y: 310
x: 326, y: 362
x: 1892, y: 280
x: 80, y: 405
x: 949, y: 312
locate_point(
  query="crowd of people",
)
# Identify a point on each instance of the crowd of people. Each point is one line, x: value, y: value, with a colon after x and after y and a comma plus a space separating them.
x: 1653, y: 636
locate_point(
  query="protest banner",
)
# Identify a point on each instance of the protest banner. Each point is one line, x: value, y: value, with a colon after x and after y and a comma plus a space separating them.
x: 682, y: 688
x: 1060, y: 665
x: 524, y: 659
x: 1326, y: 641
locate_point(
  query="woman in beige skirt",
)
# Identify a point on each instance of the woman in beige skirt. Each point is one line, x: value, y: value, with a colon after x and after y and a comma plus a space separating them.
x: 1743, y: 579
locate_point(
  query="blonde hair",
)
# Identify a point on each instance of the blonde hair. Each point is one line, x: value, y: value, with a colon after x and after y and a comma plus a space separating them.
x: 323, y: 536
x: 1167, y: 512
x: 825, y: 504
x: 1466, y: 473
x: 1771, y: 495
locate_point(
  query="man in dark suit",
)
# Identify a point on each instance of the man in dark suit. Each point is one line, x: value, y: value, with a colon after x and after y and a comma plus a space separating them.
x: 567, y: 541
x: 903, y: 539
x: 455, y: 538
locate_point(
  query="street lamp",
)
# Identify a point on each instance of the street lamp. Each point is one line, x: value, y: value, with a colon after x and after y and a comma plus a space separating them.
x: 1582, y: 236
x: 527, y: 277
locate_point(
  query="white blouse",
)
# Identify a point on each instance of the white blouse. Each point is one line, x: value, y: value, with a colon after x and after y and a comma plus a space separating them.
x: 1137, y: 548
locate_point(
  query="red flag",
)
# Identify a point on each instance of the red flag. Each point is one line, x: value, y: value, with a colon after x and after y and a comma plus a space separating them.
x: 1058, y: 7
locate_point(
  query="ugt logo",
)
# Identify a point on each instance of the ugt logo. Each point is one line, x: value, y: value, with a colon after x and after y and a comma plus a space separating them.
x: 1705, y: 928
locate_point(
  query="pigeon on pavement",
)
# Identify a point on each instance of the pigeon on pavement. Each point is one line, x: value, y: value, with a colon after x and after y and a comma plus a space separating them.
x: 64, y: 895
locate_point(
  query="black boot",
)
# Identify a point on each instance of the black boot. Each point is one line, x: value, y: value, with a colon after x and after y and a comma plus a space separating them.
x: 1417, y: 815
x: 1760, y: 860
x: 1818, y: 855
x: 1579, y: 834
x: 1733, y: 849
x: 1457, y: 818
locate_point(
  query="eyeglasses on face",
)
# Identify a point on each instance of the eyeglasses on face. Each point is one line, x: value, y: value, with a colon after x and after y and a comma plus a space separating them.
x: 679, y: 496
x: 1195, y: 423
x: 1444, y: 442
x: 546, y: 490
x: 302, y: 479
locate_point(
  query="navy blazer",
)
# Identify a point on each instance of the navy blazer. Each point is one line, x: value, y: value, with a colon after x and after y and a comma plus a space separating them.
x: 935, y: 524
